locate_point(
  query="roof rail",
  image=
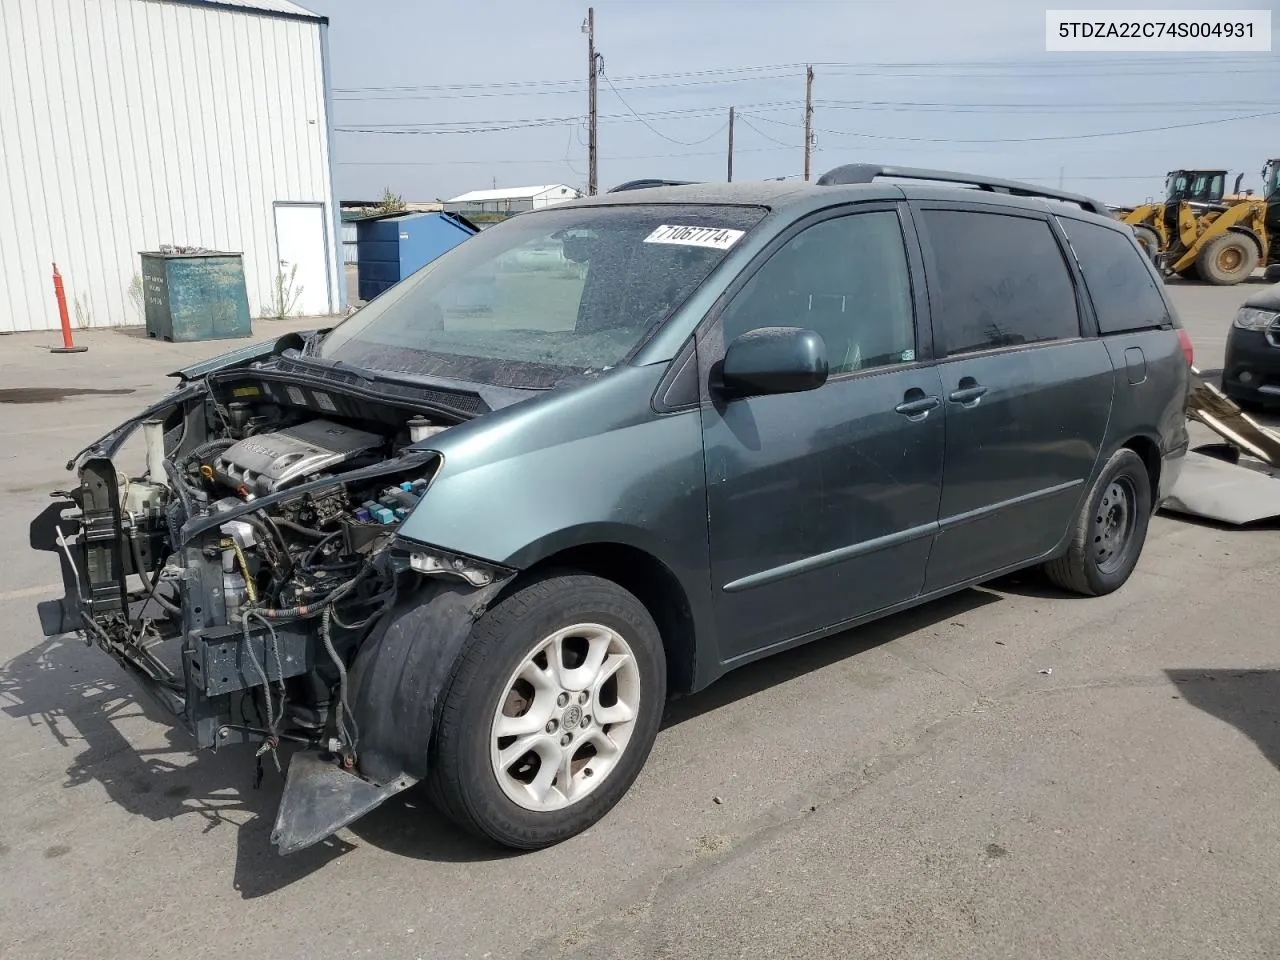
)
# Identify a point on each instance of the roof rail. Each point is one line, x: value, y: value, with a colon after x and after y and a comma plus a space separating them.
x: 867, y: 172
x: 645, y: 184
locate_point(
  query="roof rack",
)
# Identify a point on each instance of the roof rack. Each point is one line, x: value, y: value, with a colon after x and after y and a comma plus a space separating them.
x: 867, y: 172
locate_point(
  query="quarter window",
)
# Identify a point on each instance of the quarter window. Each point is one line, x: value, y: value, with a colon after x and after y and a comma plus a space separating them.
x: 1119, y: 282
x: 1001, y: 281
x: 845, y: 278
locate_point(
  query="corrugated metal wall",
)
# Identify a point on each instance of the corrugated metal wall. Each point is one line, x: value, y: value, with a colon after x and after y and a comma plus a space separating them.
x: 126, y: 124
x: 349, y: 253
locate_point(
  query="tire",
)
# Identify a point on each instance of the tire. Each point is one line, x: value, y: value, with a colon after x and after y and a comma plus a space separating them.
x: 1093, y: 564
x: 484, y: 782
x: 1227, y: 259
x: 1272, y: 274
x: 1148, y: 239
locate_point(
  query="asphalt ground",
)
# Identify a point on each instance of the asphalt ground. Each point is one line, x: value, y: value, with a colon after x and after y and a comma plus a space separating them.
x: 1009, y: 772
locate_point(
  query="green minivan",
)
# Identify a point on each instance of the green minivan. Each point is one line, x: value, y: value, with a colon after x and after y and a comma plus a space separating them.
x: 599, y: 455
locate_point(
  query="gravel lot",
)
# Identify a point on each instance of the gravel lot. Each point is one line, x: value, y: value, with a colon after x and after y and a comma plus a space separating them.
x: 917, y: 788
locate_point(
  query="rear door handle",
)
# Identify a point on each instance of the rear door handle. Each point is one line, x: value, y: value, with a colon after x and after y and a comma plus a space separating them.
x: 917, y: 407
x: 969, y: 392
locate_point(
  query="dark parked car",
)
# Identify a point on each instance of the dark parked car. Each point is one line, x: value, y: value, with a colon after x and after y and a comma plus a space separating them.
x: 480, y: 531
x: 1251, y: 373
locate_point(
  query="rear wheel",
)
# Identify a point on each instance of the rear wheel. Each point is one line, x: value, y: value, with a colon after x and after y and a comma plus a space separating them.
x: 1148, y: 239
x: 1110, y: 530
x: 552, y: 712
x: 1227, y: 259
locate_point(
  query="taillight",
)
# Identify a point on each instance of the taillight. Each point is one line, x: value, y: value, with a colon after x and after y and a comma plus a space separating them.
x: 1187, y: 351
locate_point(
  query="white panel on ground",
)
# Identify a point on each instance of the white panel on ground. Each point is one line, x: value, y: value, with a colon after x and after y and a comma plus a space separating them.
x: 303, y: 286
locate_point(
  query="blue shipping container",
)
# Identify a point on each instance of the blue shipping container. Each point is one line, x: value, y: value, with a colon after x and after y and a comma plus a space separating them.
x: 390, y: 249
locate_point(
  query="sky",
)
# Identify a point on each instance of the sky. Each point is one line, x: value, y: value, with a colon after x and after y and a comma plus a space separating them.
x: 435, y: 99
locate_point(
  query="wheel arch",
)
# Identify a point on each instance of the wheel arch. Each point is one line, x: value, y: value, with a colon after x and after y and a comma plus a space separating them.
x: 650, y: 580
x: 1252, y: 235
x: 1149, y: 450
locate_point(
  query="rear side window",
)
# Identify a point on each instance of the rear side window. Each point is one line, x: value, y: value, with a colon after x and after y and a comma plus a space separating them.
x: 1123, y: 292
x: 1001, y: 281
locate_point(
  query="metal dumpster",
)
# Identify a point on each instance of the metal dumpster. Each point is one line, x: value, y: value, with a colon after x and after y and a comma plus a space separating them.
x: 195, y: 296
x: 391, y: 248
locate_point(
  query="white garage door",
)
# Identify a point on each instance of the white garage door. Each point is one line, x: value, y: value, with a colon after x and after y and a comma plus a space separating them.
x: 300, y: 246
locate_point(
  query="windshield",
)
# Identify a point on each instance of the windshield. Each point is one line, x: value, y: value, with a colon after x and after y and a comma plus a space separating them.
x: 542, y: 296
x: 1207, y: 187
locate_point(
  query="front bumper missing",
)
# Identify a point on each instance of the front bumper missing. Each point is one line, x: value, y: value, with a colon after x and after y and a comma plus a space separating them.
x: 210, y: 673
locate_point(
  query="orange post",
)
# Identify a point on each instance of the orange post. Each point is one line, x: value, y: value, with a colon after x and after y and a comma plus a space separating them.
x: 68, y: 345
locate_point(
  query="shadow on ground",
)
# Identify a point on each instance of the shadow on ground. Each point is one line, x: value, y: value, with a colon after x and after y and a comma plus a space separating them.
x: 80, y: 697
x: 1249, y: 700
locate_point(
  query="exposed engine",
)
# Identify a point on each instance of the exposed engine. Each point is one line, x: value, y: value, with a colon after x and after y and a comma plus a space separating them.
x: 263, y: 540
x: 270, y: 462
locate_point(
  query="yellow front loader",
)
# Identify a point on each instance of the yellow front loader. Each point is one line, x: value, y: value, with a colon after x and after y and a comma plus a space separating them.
x: 1155, y: 223
x: 1225, y: 243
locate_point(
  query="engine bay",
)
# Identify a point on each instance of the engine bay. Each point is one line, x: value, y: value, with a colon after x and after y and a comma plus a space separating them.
x: 238, y: 573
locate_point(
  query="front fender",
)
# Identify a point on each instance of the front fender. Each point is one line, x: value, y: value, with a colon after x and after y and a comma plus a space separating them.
x: 403, y: 669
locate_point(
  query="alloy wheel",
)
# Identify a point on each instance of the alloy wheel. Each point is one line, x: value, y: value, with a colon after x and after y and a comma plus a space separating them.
x: 565, y: 717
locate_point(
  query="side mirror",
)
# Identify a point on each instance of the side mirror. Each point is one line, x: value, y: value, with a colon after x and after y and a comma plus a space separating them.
x: 773, y: 360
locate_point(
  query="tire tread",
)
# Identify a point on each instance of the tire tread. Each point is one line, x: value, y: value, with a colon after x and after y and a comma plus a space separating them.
x: 1070, y: 571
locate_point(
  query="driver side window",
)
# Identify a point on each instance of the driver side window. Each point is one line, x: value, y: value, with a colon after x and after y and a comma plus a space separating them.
x: 844, y: 278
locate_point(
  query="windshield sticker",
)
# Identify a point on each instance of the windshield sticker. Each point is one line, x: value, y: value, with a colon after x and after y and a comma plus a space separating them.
x: 717, y: 238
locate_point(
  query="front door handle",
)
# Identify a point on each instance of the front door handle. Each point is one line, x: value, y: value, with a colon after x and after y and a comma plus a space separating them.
x: 968, y: 392
x: 918, y: 406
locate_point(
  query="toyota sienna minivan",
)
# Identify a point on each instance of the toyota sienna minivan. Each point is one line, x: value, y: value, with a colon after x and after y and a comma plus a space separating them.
x: 479, y: 532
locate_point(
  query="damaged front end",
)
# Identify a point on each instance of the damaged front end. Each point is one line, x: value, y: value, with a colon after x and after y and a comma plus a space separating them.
x: 249, y: 575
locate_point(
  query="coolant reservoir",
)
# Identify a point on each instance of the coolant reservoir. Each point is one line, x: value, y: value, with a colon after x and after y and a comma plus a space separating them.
x: 144, y: 499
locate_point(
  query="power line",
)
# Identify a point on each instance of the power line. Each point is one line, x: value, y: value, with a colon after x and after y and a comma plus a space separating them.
x: 690, y: 113
x: 763, y: 134
x: 674, y: 113
x: 1085, y: 63
x: 1016, y: 108
x: 548, y: 160
x: 1068, y: 136
x: 675, y: 75
x: 575, y: 91
x: 652, y: 128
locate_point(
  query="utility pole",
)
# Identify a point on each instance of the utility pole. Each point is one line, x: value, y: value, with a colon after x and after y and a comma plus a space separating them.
x: 731, y: 144
x: 1061, y: 173
x: 590, y: 29
x: 808, y: 119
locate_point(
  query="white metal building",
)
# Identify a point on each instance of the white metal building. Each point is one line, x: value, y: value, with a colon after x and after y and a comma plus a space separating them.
x: 128, y: 124
x: 511, y: 199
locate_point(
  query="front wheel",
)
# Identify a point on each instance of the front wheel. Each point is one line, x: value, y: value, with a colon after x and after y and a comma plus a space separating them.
x: 552, y: 712
x: 1110, y: 530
